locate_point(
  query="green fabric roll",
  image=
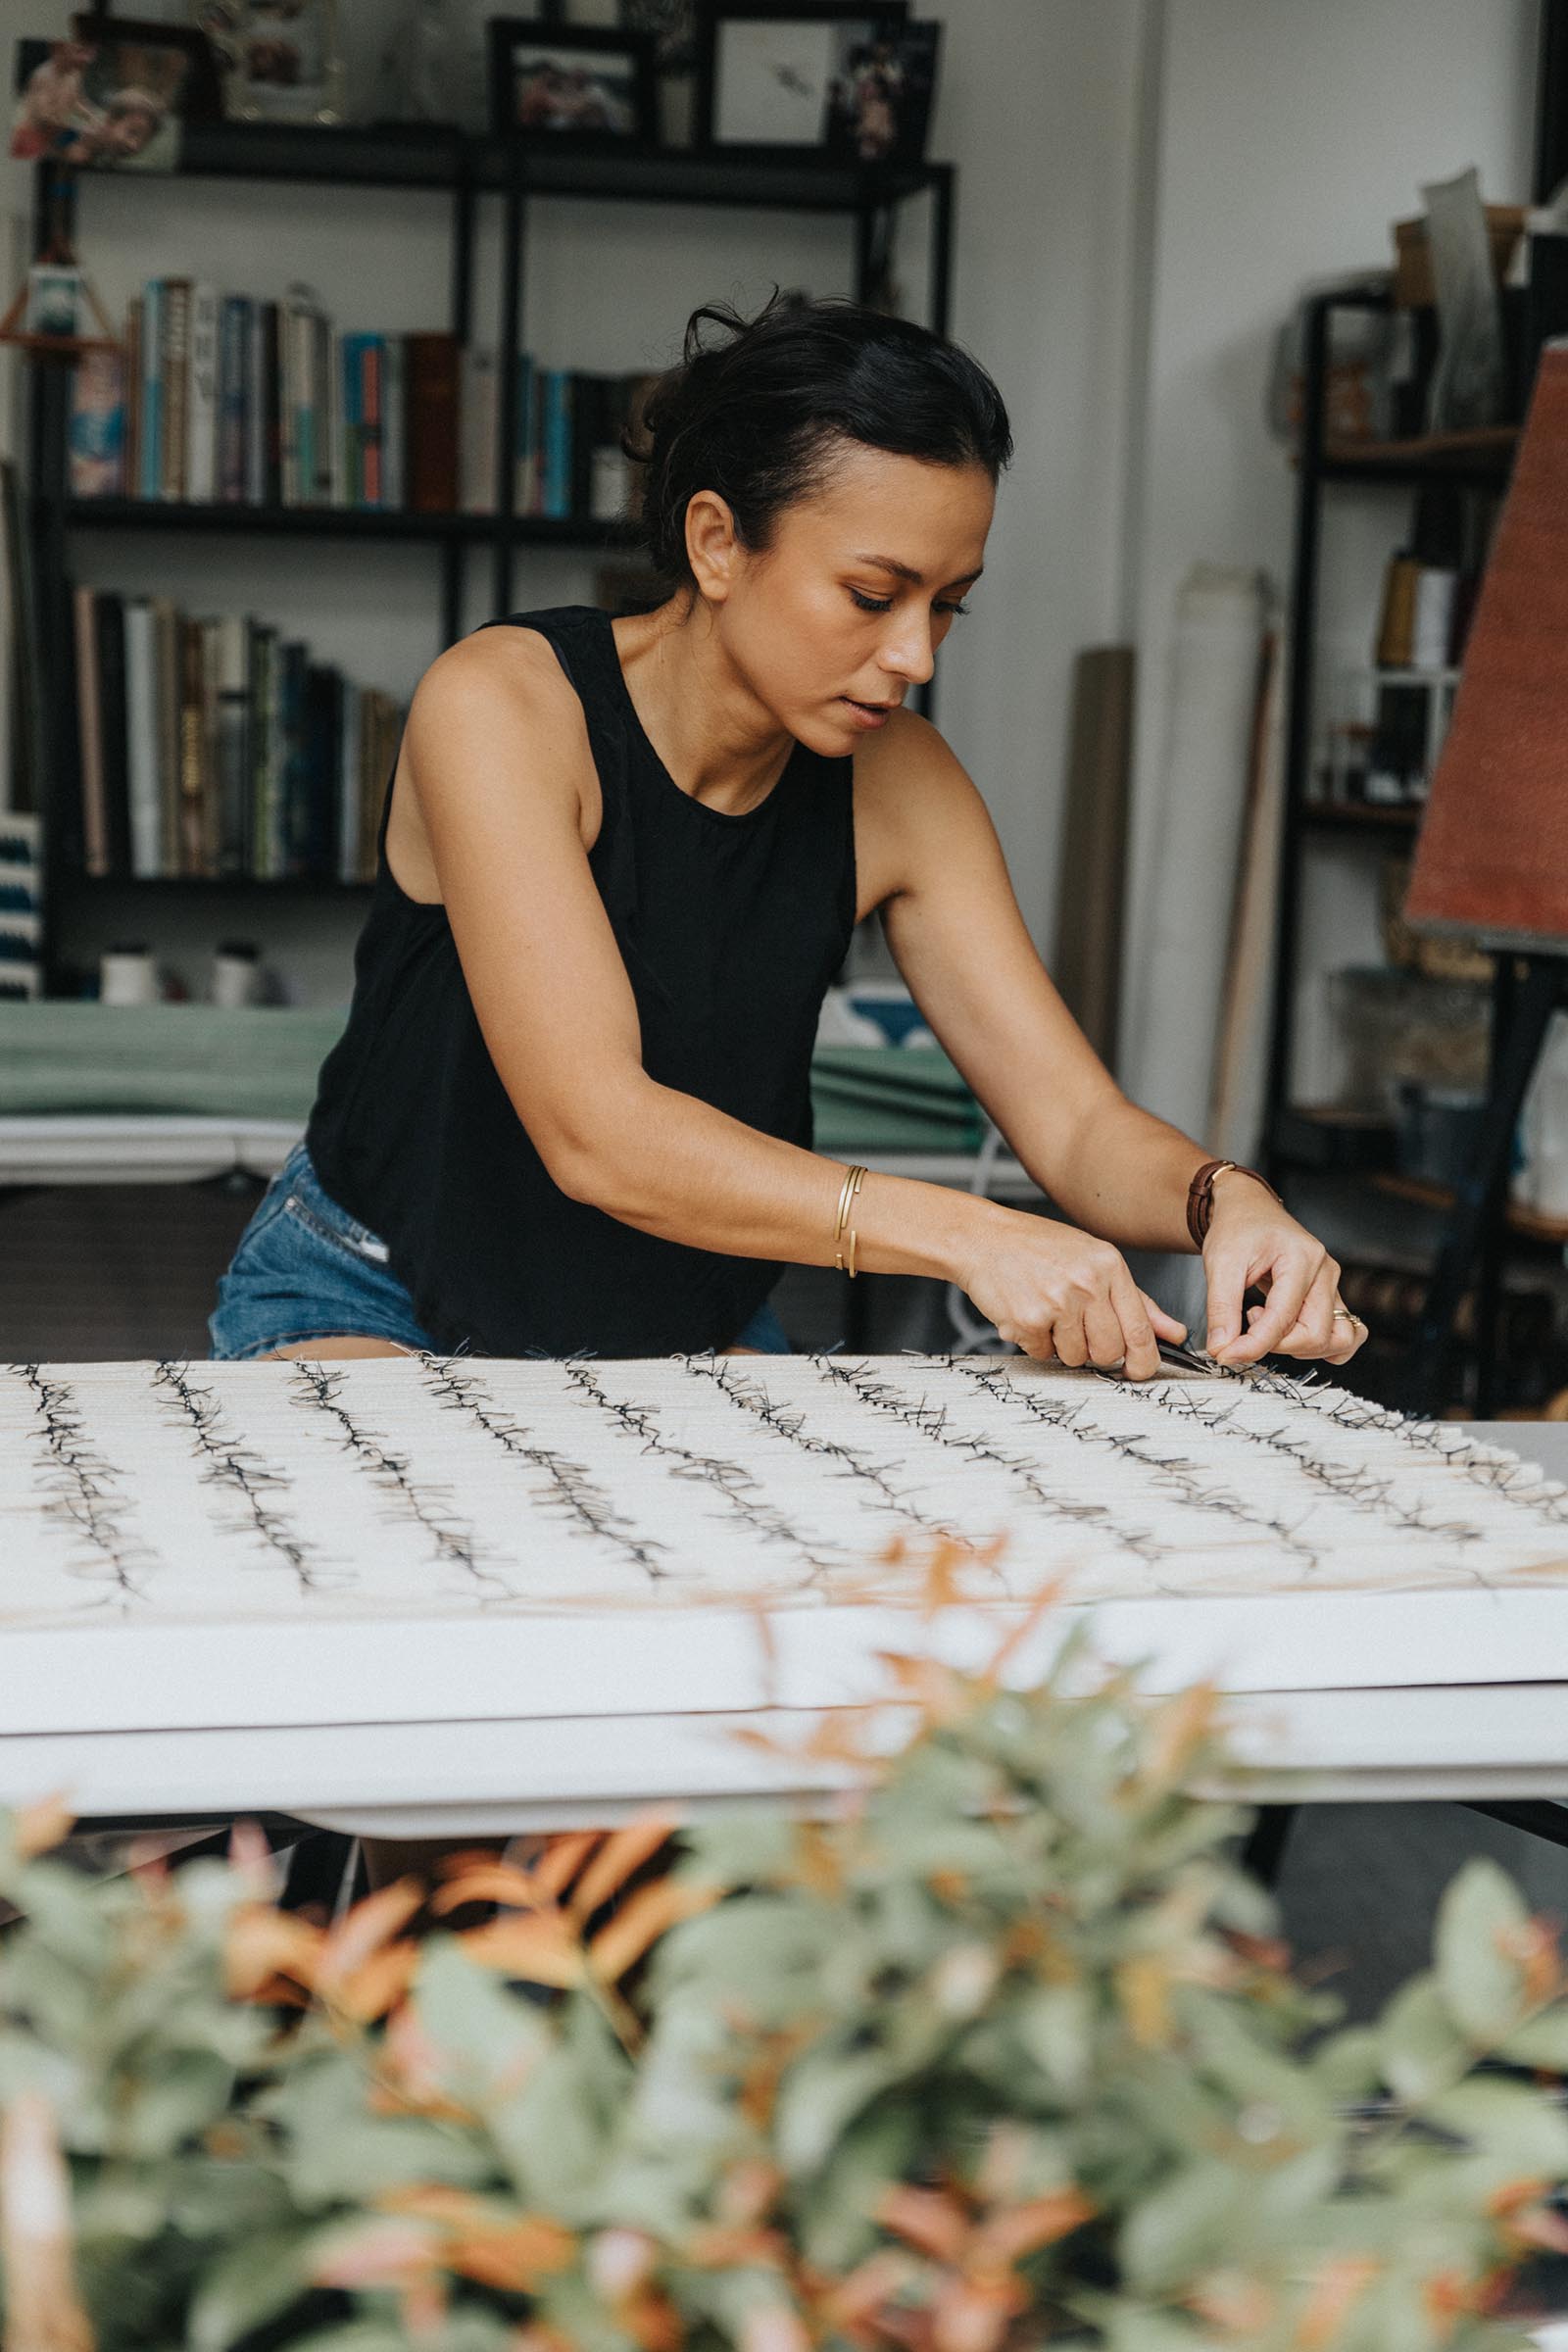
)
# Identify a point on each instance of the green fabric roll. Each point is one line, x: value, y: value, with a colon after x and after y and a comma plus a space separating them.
x: 262, y: 1061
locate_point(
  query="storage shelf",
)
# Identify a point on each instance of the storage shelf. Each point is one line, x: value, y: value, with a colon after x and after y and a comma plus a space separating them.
x: 1527, y: 1222
x: 1352, y: 816
x: 339, y: 522
x: 1323, y: 1137
x: 1481, y: 455
x: 325, y: 886
x: 401, y: 155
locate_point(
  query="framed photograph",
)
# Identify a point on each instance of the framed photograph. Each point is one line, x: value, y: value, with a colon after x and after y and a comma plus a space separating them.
x: 591, y: 85
x: 280, y: 60
x: 53, y: 300
x: 782, y: 75
x: 889, y: 87
x: 112, y: 97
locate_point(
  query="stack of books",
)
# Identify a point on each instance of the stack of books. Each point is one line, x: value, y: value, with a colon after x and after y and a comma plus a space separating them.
x: 216, y: 747
x: 232, y: 399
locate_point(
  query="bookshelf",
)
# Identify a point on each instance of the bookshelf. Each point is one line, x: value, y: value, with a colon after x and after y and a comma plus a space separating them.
x: 460, y: 172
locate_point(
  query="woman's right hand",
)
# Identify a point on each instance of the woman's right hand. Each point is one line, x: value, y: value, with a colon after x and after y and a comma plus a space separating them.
x: 1054, y: 1290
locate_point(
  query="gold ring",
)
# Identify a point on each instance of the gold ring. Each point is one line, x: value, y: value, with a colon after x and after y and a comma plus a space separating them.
x: 1342, y: 1314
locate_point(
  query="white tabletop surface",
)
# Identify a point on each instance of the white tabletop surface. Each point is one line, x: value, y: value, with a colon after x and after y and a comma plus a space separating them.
x: 410, y: 1728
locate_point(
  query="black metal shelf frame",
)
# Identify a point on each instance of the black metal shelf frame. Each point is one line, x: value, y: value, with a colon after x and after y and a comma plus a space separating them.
x: 1302, y: 817
x: 449, y: 163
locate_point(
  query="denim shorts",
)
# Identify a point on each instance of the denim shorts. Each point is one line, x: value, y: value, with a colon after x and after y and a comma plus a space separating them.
x: 305, y: 1269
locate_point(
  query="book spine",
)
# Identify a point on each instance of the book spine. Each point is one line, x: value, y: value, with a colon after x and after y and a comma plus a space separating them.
x: 435, y: 425
x: 558, y: 443
x: 526, y: 493
x: 202, y: 481
x: 394, y: 423
x: 134, y: 397
x: 271, y: 406
x: 89, y: 721
x: 233, y: 744
x: 167, y: 689
x: 478, y: 481
x: 372, y: 421
x: 110, y: 618
x: 152, y: 402
x: 141, y: 741
x: 324, y: 444
x: 232, y: 355
x: 189, y: 639
x: 175, y: 367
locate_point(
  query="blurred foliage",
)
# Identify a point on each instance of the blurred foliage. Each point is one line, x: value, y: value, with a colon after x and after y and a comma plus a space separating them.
x: 1003, y: 2053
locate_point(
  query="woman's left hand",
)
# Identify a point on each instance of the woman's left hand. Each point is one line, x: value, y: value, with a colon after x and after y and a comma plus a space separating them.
x: 1253, y: 1241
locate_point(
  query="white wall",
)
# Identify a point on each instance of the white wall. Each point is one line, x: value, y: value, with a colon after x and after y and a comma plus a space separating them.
x: 1290, y: 138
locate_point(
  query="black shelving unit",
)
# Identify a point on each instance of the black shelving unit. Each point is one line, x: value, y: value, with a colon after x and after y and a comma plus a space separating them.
x: 463, y: 169
x: 1295, y: 1139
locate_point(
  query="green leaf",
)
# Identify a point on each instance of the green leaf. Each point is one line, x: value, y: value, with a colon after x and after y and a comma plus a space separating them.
x: 820, y: 2096
x: 254, y: 2281
x: 1423, y: 2049
x: 492, y: 2036
x: 1541, y: 2041
x: 1056, y: 2028
x: 1479, y: 1981
x: 1183, y: 2228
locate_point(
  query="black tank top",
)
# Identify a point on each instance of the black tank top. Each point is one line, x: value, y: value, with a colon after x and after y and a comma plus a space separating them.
x: 731, y: 927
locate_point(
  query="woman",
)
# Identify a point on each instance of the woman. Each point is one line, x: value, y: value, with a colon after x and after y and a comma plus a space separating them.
x: 621, y: 863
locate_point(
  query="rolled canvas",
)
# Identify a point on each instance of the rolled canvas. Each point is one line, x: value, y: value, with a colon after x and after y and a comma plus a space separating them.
x: 1492, y: 855
x: 1178, y: 981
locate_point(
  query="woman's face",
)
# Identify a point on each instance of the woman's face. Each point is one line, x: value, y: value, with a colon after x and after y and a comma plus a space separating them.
x: 861, y: 584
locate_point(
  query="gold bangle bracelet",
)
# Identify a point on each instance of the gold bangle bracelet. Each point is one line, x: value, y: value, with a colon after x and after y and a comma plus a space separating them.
x: 852, y: 1181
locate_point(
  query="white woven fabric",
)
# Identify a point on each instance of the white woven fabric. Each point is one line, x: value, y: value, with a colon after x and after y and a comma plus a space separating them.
x: 222, y: 1492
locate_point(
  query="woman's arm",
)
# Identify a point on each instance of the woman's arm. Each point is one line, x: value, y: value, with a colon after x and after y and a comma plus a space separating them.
x: 934, y: 864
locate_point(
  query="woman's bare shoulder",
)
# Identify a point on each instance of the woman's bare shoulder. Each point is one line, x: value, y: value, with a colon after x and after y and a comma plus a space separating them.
x: 510, y: 663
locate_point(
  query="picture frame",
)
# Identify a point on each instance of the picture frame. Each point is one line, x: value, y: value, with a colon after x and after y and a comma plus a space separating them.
x: 588, y: 85
x: 280, y: 61
x: 773, y: 75
x: 114, y: 95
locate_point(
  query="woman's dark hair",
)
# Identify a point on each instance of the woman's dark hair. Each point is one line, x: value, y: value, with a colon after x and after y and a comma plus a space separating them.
x: 760, y: 416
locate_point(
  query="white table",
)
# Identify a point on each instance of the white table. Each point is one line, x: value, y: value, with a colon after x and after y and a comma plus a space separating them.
x: 444, y: 1727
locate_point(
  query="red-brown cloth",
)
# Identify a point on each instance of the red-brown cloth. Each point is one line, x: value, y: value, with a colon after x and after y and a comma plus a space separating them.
x: 1492, y: 855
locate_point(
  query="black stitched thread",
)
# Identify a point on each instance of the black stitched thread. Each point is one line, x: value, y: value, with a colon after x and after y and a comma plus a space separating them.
x: 85, y: 1489
x: 232, y: 1465
x: 1187, y: 1480
x: 749, y: 1397
x: 453, y: 1537
x: 1481, y: 1464
x: 736, y: 1486
x: 930, y: 1421
x: 584, y: 1504
x: 1347, y: 1482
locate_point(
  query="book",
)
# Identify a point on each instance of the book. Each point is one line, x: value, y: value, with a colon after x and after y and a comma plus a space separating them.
x: 96, y: 431
x: 190, y: 853
x: 165, y: 708
x: 150, y: 472
x: 557, y: 442
x: 173, y: 367
x: 477, y: 430
x: 201, y: 416
x: 141, y: 740
x: 431, y: 423
x: 234, y: 748
x: 109, y: 615
x: 90, y: 729
x: 233, y: 421
x: 394, y: 421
